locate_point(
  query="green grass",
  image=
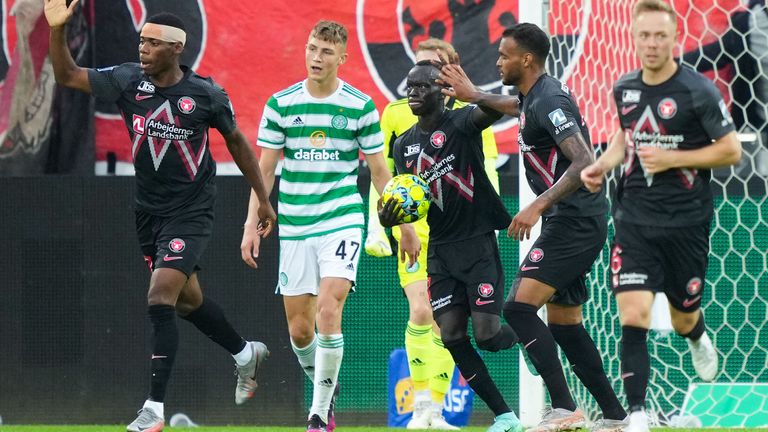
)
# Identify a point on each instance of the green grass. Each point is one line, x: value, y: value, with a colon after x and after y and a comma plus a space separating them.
x: 119, y: 428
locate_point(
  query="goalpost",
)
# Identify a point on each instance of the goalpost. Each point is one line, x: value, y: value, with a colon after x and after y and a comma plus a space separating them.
x: 591, y: 48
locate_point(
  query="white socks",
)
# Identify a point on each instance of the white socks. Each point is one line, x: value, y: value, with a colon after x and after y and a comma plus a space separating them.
x: 330, y: 351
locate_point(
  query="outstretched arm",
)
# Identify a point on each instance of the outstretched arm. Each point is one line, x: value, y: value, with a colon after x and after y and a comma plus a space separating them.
x: 66, y: 71
x: 461, y: 87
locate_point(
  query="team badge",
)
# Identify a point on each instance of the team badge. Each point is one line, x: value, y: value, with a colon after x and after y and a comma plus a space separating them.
x: 339, y: 122
x: 667, y: 108
x: 616, y: 259
x: 694, y: 286
x: 437, y: 139
x: 536, y: 255
x: 485, y: 290
x: 187, y: 105
x: 177, y: 245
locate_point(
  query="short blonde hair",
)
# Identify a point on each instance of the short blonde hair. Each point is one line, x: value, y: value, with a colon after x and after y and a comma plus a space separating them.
x: 330, y: 31
x: 434, y: 44
x: 654, y: 6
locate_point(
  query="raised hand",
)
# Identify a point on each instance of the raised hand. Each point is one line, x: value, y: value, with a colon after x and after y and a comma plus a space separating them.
x: 58, y: 13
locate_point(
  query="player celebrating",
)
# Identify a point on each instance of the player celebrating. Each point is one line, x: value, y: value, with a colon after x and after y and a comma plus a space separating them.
x: 445, y: 148
x: 674, y: 128
x: 319, y: 125
x: 168, y: 109
x: 554, y: 145
x: 430, y: 364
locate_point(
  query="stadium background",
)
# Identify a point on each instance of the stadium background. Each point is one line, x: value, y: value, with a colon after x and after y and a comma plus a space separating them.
x: 73, y: 284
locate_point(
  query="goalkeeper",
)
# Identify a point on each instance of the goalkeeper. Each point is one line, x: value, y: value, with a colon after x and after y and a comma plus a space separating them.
x: 430, y: 364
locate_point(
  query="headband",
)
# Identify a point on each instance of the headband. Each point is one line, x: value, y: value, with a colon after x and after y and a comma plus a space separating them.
x: 164, y: 33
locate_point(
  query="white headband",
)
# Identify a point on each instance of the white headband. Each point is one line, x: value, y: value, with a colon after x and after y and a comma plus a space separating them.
x: 164, y: 33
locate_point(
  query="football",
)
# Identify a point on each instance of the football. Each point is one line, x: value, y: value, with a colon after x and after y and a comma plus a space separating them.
x: 412, y: 193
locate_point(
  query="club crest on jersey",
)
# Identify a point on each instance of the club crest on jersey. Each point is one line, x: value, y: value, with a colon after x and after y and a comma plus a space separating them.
x: 485, y: 290
x: 437, y: 139
x: 630, y: 96
x: 186, y: 104
x: 339, y: 122
x: 536, y: 255
x: 694, y: 286
x: 667, y: 108
x: 177, y: 245
x: 146, y: 87
x: 139, y: 124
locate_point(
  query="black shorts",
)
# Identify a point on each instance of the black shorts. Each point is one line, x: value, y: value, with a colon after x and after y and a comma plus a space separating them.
x: 563, y: 254
x: 174, y: 242
x: 466, y: 274
x: 672, y: 260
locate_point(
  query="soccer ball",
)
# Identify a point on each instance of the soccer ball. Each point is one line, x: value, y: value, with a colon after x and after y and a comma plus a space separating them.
x: 412, y: 193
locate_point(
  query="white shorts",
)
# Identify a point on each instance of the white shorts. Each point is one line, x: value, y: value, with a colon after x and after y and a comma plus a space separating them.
x: 304, y: 262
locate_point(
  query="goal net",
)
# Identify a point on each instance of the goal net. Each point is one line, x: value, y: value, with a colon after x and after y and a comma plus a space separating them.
x: 592, y: 47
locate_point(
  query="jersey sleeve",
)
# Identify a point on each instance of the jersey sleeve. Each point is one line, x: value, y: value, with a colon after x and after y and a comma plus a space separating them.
x: 222, y: 111
x: 398, y: 155
x: 271, y: 132
x: 108, y: 83
x: 369, y: 135
x: 712, y: 111
x: 388, y: 133
x: 557, y: 115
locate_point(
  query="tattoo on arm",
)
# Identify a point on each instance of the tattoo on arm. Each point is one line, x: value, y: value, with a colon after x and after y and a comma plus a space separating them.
x: 581, y: 155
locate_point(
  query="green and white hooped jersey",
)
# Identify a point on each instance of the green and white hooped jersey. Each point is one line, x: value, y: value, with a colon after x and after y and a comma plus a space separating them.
x: 320, y: 139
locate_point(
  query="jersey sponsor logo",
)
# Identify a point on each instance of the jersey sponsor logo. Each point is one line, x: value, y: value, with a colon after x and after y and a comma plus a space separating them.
x: 146, y: 87
x: 727, y: 119
x: 485, y: 290
x: 317, y: 138
x: 693, y: 286
x: 647, y: 132
x: 536, y: 255
x: 628, y: 109
x: 633, y: 278
x: 138, y: 124
x: 140, y: 97
x: 186, y: 104
x: 441, y: 302
x: 437, y: 139
x: 339, y: 122
x: 177, y: 245
x: 317, y: 155
x: 433, y: 172
x: 667, y: 108
x: 630, y: 96
x: 412, y: 149
x: 691, y: 301
x: 557, y: 117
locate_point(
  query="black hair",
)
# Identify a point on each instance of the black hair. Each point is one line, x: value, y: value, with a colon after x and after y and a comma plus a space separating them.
x: 530, y: 38
x: 166, y: 18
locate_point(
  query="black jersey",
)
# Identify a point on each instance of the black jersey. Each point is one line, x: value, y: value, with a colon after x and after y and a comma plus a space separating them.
x: 450, y: 159
x: 685, y: 112
x: 549, y: 115
x: 168, y: 128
